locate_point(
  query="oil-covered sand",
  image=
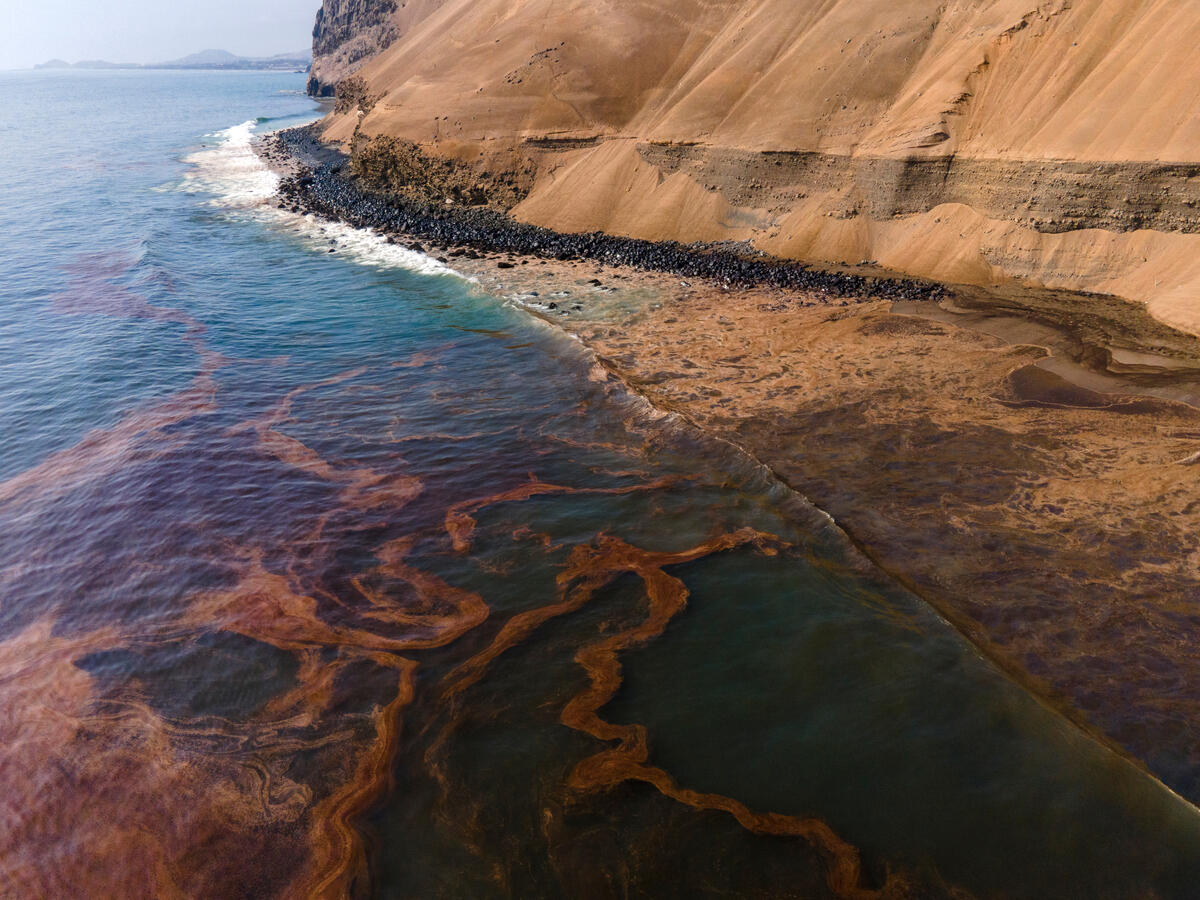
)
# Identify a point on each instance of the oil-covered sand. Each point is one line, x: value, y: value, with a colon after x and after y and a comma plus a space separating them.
x: 1046, y: 507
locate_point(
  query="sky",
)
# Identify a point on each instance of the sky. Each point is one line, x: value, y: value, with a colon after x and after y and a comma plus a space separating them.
x: 141, y: 31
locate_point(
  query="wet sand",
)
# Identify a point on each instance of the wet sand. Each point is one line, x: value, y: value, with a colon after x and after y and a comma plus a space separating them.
x: 1026, y: 467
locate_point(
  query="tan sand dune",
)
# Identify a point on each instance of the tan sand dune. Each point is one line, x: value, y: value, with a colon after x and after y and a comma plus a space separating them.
x: 975, y: 140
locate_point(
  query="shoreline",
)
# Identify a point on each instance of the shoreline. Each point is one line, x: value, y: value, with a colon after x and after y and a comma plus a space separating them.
x: 910, y: 374
x: 1105, y: 334
x: 323, y: 188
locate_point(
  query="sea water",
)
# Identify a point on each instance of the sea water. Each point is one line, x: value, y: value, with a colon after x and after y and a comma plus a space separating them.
x: 324, y: 570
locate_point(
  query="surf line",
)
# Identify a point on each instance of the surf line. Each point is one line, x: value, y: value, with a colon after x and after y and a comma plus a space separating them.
x: 239, y: 181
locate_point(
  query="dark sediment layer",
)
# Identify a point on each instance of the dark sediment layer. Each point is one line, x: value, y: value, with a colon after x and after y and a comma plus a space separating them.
x: 1050, y: 195
x: 326, y: 188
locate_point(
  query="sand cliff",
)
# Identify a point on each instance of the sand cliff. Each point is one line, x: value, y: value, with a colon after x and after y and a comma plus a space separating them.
x: 1057, y: 144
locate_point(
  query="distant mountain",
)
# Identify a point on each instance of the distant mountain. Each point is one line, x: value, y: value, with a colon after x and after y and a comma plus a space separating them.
x: 223, y: 59
x: 85, y: 64
x: 205, y: 59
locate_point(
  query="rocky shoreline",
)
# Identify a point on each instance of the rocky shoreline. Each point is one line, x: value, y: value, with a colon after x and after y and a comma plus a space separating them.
x: 323, y: 186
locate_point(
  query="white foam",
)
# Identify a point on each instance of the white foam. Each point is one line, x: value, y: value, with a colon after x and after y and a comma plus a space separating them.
x: 232, y: 171
x: 239, y: 181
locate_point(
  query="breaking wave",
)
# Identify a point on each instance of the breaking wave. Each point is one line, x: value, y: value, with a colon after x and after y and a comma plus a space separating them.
x: 239, y: 181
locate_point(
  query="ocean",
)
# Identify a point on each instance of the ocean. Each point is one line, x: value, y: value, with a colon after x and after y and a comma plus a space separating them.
x: 324, y: 570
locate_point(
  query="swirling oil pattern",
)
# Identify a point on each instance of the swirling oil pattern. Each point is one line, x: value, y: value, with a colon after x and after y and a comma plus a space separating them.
x: 324, y: 573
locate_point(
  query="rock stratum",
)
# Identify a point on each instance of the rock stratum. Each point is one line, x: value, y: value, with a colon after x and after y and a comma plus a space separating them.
x: 1053, y: 144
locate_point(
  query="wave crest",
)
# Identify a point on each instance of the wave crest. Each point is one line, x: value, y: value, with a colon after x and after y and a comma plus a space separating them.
x: 239, y: 181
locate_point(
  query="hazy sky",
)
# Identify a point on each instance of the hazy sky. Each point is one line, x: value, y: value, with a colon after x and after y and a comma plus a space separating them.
x: 33, y: 31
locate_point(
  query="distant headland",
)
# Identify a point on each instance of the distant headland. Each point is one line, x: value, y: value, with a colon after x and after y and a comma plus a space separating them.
x: 205, y: 59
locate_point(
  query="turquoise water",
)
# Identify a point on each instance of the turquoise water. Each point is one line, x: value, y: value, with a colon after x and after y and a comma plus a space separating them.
x: 305, y: 552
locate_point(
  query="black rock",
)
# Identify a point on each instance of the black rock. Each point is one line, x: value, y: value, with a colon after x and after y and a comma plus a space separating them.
x: 326, y: 190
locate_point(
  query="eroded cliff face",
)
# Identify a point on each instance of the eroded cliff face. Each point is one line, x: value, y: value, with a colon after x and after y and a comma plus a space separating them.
x: 348, y: 33
x: 981, y: 141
